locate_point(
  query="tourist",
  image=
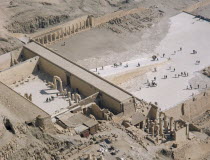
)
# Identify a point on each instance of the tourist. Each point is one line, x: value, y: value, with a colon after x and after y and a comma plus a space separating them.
x: 155, y: 69
x: 163, y: 55
x: 206, y: 86
x: 180, y: 48
x: 198, y: 86
x: 191, y: 87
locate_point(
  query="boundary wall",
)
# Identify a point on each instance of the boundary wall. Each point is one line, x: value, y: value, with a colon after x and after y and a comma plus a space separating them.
x: 191, y: 109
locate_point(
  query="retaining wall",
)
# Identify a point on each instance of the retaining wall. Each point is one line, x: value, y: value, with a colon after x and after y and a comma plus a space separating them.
x: 191, y: 109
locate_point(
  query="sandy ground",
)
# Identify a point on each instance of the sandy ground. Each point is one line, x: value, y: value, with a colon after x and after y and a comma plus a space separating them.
x: 173, y: 90
x: 203, y: 11
x: 40, y: 92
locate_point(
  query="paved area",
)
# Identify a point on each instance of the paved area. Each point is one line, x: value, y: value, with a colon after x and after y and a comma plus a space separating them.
x: 187, y: 33
x: 40, y: 92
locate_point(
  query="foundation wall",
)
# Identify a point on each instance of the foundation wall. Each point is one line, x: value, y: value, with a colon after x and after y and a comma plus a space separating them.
x: 191, y: 109
x: 19, y: 71
x: 181, y: 135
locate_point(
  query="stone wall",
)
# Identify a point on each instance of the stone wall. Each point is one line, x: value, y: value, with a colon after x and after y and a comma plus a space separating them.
x: 7, y: 59
x: 19, y: 71
x: 17, y: 106
x: 191, y: 109
x: 181, y: 135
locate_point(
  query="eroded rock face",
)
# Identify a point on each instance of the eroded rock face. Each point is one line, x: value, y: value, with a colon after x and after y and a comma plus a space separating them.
x: 8, y: 125
x: 35, y: 23
x: 206, y: 71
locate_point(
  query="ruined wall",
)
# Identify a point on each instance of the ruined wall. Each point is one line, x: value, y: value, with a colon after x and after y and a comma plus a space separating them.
x: 106, y: 18
x: 191, y: 109
x: 181, y: 135
x: 110, y: 103
x: 128, y: 106
x: 197, y: 5
x: 19, y: 71
x: 6, y: 59
x: 96, y: 111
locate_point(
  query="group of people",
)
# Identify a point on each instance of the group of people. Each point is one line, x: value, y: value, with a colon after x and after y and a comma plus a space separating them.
x: 50, y: 99
x: 198, y: 87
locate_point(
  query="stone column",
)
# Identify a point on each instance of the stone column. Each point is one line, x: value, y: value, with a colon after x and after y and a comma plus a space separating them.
x: 165, y: 123
x: 87, y: 23
x: 80, y: 23
x: 161, y: 126
x: 73, y: 97
x: 73, y: 28
x: 84, y: 24
x: 175, y: 125
x: 143, y: 124
x: 187, y: 130
x: 65, y: 34
x: 70, y: 102
x: 69, y: 30
x: 46, y: 40
x: 171, y: 124
x: 157, y: 130
x: 69, y: 94
x: 152, y: 129
x: 148, y: 123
